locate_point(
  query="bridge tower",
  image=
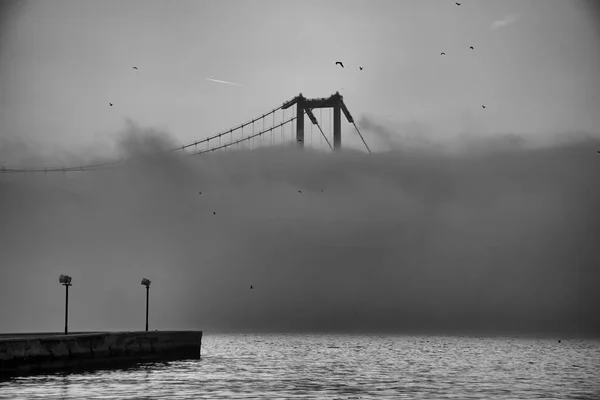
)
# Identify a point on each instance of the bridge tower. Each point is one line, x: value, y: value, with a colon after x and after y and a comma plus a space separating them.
x: 335, y: 101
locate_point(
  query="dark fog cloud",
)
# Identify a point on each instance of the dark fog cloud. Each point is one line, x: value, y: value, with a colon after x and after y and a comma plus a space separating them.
x: 493, y: 236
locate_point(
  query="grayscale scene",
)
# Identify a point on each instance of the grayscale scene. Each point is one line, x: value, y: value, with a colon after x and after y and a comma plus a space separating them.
x: 276, y: 199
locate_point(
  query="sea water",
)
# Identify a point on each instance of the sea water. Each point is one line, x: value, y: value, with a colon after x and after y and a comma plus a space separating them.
x: 335, y: 366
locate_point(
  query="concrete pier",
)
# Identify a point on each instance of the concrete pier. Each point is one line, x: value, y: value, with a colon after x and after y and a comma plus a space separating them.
x: 48, y: 352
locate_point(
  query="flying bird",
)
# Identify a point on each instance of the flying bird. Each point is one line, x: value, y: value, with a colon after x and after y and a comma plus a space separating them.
x: 360, y: 68
x: 111, y: 104
x: 214, y: 213
x: 199, y: 192
x: 251, y: 287
x: 458, y: 4
x: 135, y: 67
x: 299, y: 191
x: 442, y: 54
x: 482, y: 106
x: 471, y: 48
x: 339, y: 62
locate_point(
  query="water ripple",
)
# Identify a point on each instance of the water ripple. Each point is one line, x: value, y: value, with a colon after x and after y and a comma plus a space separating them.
x: 343, y: 367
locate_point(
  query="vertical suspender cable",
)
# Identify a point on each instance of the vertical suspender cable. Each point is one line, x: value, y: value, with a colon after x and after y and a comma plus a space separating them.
x: 321, y: 121
x: 330, y: 126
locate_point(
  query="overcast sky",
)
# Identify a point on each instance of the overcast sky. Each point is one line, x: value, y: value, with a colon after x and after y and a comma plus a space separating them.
x: 534, y: 66
x: 499, y: 235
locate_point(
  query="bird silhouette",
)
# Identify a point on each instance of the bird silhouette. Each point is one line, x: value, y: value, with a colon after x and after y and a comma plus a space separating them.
x: 251, y: 287
x: 360, y: 68
x: 598, y: 151
x: 442, y: 54
x: 111, y: 104
x: 458, y: 4
x: 199, y: 192
x: 482, y: 106
x: 299, y: 191
x: 135, y: 67
x: 471, y: 48
x: 214, y: 213
x: 339, y: 62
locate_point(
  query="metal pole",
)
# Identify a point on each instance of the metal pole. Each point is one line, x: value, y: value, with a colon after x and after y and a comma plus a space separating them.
x: 337, y: 125
x: 66, y: 309
x: 147, y: 305
x: 300, y: 121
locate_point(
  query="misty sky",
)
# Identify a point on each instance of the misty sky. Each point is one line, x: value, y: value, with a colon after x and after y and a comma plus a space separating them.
x: 535, y: 66
x: 499, y: 235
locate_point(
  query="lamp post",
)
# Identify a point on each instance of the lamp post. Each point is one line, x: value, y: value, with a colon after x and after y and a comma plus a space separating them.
x: 65, y: 280
x: 146, y: 282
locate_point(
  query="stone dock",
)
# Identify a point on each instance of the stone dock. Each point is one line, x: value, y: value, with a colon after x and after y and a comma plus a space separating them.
x: 23, y: 354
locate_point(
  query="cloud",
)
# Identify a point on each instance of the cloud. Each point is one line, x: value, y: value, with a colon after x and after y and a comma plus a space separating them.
x: 508, y: 20
x: 494, y: 236
x: 225, y: 82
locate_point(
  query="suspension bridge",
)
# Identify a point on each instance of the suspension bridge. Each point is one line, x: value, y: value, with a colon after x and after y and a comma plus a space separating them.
x: 257, y: 134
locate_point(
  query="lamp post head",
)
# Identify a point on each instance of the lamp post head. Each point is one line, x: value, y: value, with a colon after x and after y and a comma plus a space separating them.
x: 146, y: 282
x: 64, y: 279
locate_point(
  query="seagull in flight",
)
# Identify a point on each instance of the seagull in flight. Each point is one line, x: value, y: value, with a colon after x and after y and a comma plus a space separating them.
x: 471, y: 48
x: 339, y: 62
x: 458, y: 4
x: 135, y: 67
x: 251, y: 287
x: 110, y: 104
x: 482, y: 106
x: 360, y: 68
x: 442, y: 54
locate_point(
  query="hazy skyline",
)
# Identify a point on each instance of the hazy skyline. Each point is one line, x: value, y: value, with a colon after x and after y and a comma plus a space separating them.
x: 499, y: 239
x: 464, y: 219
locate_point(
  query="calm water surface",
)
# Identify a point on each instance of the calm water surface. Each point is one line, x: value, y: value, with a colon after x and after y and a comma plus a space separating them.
x: 343, y: 367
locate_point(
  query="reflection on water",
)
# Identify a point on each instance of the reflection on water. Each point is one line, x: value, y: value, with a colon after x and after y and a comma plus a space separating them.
x: 343, y: 367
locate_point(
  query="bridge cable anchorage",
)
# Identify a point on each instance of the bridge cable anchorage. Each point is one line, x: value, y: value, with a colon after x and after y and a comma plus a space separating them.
x: 361, y: 136
x: 247, y: 137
